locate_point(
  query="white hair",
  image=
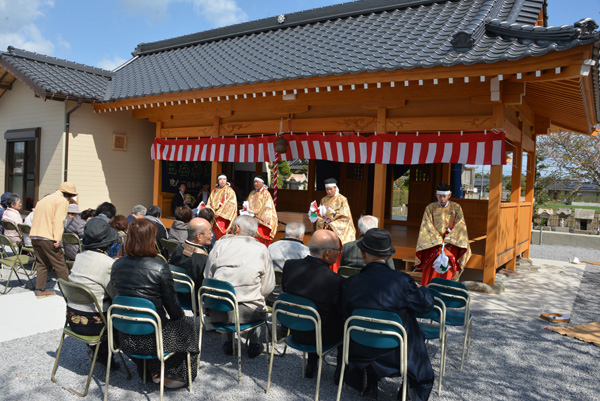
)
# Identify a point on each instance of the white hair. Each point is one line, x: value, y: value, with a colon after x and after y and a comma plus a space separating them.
x: 366, y: 222
x: 139, y: 209
x: 246, y: 224
x: 295, y: 229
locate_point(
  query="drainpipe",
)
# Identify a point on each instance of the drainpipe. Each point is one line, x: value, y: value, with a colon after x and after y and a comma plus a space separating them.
x: 67, y: 132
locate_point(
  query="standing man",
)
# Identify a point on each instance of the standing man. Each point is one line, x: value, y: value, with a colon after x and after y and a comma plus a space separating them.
x: 443, y: 224
x: 46, y: 234
x: 337, y: 217
x: 179, y: 198
x: 223, y: 202
x: 261, y: 206
x: 379, y: 287
x: 245, y: 263
x: 312, y: 278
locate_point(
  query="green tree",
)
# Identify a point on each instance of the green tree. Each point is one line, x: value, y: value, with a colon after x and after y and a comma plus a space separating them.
x: 283, y: 172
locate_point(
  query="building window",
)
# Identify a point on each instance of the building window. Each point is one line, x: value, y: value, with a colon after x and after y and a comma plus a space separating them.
x: 22, y: 161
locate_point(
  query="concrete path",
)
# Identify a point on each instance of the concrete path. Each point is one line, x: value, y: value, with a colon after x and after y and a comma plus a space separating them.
x: 546, y: 286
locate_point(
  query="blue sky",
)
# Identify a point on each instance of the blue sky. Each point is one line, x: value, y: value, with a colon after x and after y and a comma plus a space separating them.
x: 104, y: 33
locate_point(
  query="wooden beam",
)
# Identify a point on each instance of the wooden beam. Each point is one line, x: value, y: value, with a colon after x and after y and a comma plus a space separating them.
x: 388, y: 105
x: 526, y: 113
x: 379, y: 181
x: 529, y: 187
x: 541, y: 125
x: 491, y: 243
x: 355, y: 124
x: 512, y: 131
x: 528, y: 144
x: 156, y: 196
x: 381, y: 120
x: 215, y: 170
x: 187, y: 132
x: 448, y: 123
x: 498, y: 116
x: 515, y: 197
x: 6, y: 86
x: 295, y: 109
x: 166, y: 112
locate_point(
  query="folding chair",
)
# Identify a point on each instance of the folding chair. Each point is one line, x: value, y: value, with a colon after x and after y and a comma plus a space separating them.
x: 299, y: 313
x: 347, y: 271
x: 186, y: 290
x: 14, y: 262
x: 137, y: 316
x: 375, y: 329
x: 80, y: 294
x: 24, y: 229
x: 161, y: 258
x: 436, y: 331
x: 71, y: 239
x: 167, y: 246
x: 219, y: 296
x: 458, y: 303
x: 8, y: 225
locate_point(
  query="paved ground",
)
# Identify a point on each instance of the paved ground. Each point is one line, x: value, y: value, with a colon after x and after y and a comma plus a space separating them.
x: 512, y: 356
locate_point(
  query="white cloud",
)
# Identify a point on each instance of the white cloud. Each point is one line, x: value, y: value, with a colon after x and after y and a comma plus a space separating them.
x: 111, y: 63
x: 220, y: 12
x: 155, y: 10
x: 18, y: 28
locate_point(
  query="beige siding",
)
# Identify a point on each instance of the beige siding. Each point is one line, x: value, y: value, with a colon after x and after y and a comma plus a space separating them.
x: 19, y: 108
x: 101, y: 174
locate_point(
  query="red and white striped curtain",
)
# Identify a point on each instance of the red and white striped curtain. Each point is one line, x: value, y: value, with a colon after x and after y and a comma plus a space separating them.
x: 478, y: 148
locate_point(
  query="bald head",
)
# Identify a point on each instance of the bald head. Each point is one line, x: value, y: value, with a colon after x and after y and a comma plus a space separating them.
x: 324, y: 244
x: 199, y: 231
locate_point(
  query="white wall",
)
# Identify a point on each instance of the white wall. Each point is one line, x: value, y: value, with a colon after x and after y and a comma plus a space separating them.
x: 101, y: 174
x: 19, y: 109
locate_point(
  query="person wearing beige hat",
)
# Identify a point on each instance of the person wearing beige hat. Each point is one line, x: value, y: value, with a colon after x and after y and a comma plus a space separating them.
x: 46, y: 234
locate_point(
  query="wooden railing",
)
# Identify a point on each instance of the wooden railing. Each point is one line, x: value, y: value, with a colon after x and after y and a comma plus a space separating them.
x: 524, y: 237
x: 506, y: 232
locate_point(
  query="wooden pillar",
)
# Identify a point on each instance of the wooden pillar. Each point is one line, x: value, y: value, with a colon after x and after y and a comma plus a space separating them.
x: 529, y: 184
x: 215, y: 170
x: 515, y: 197
x: 446, y: 173
x: 379, y: 185
x: 491, y: 243
x: 156, y: 194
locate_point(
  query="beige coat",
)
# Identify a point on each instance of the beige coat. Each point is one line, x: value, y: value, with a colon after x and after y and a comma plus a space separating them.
x: 49, y: 217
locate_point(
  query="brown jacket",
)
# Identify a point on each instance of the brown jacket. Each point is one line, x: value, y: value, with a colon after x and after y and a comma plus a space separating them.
x: 49, y: 217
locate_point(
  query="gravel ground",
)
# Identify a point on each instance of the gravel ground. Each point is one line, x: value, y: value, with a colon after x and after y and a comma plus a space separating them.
x: 510, y: 359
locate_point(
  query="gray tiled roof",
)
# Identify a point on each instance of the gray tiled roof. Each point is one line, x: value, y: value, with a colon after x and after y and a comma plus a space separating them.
x: 54, y: 78
x: 363, y: 36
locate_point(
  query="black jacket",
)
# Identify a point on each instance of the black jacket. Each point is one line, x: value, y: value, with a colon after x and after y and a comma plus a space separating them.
x: 313, y: 279
x: 150, y: 279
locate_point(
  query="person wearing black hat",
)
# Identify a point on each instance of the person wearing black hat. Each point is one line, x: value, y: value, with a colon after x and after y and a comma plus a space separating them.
x: 443, y: 229
x: 260, y: 205
x: 379, y: 287
x: 337, y: 217
x: 92, y: 268
x: 223, y: 202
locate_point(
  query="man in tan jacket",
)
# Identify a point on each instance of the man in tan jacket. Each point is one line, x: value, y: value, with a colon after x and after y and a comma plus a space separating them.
x: 46, y: 234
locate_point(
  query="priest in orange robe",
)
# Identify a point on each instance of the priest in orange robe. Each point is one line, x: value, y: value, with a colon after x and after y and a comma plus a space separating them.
x: 223, y: 202
x: 443, y: 227
x: 260, y: 205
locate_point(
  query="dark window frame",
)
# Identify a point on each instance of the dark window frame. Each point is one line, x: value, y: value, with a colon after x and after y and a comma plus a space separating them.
x: 23, y: 135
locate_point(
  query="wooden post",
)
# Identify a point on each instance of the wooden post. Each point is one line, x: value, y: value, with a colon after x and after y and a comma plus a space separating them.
x: 515, y: 197
x: 215, y: 170
x: 156, y: 195
x: 529, y: 183
x: 491, y: 243
x: 379, y: 185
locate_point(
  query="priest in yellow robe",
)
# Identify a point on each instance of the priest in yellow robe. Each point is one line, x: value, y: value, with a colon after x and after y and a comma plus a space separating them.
x: 260, y: 205
x: 223, y: 202
x: 443, y: 224
x: 337, y: 216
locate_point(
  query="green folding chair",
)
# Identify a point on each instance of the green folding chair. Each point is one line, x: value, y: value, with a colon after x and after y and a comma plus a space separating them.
x: 71, y: 239
x: 167, y: 246
x: 376, y: 329
x: 186, y: 290
x: 15, y: 262
x: 347, y: 271
x: 137, y: 316
x: 80, y: 294
x: 299, y: 313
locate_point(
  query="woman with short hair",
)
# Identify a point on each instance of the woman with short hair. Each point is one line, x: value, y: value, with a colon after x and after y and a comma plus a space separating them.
x: 178, y: 231
x: 140, y: 275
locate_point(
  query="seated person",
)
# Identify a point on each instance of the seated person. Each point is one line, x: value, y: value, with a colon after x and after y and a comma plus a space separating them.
x: 351, y: 256
x: 443, y: 224
x: 208, y: 215
x: 179, y: 230
x: 290, y: 247
x: 13, y: 214
x: 92, y: 268
x: 244, y: 262
x: 153, y: 214
x: 312, y: 278
x: 139, y: 274
x: 119, y: 223
x: 138, y: 212
x: 379, y: 287
x: 106, y: 211
x: 75, y: 225
x: 191, y: 254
